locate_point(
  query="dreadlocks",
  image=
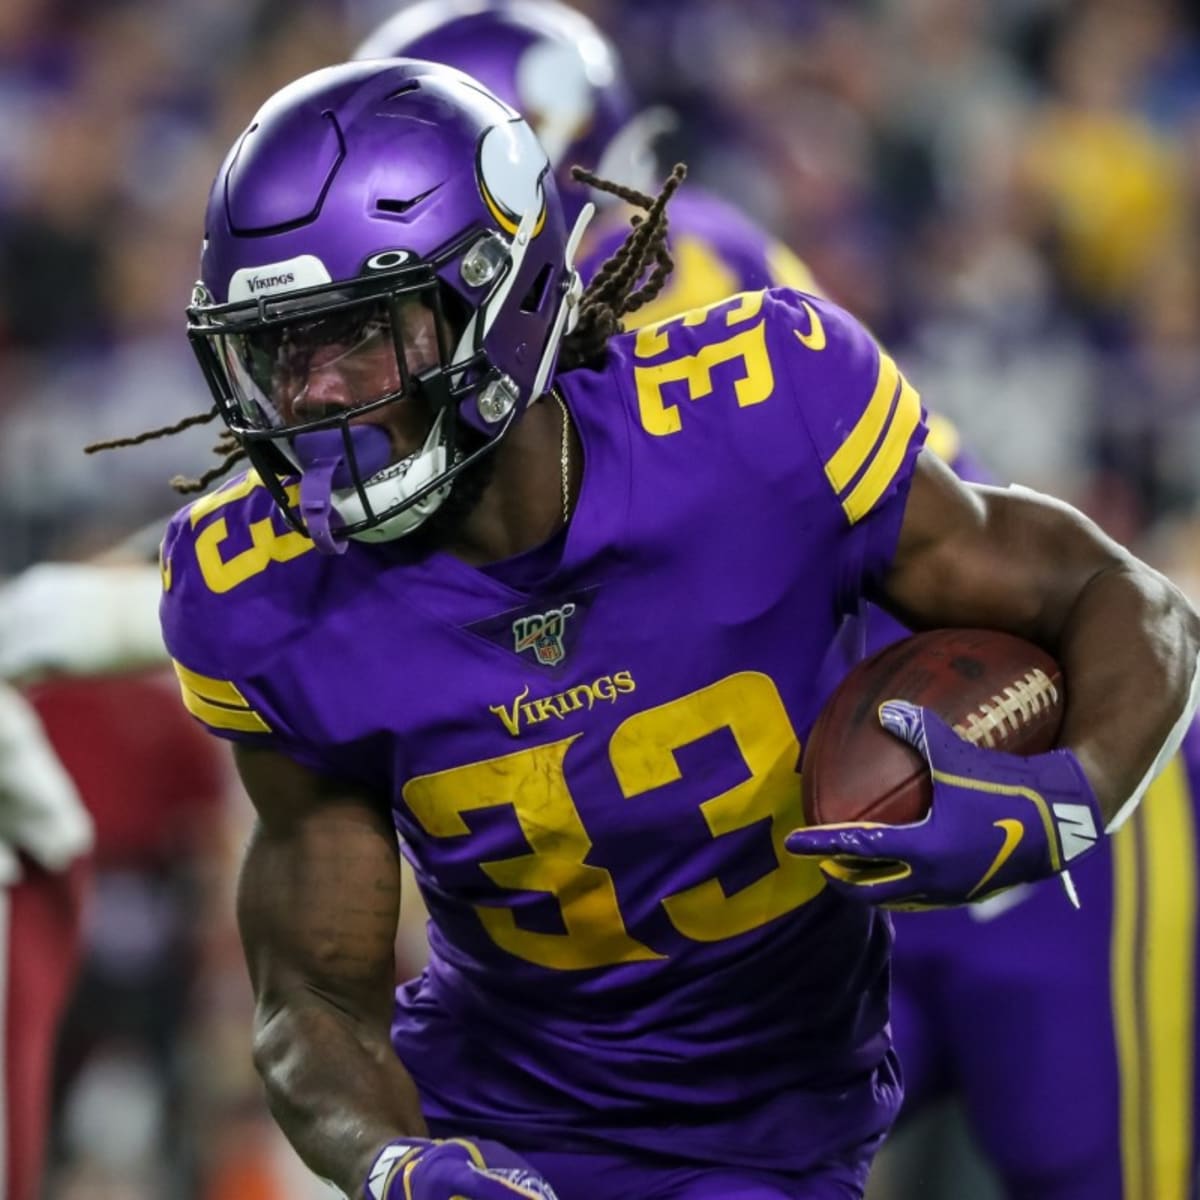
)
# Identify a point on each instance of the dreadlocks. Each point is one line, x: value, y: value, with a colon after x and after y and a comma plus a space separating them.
x: 227, y: 446
x: 611, y: 295
x: 614, y: 293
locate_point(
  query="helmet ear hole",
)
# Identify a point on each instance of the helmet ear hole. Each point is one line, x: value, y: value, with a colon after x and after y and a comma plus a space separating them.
x: 537, y: 291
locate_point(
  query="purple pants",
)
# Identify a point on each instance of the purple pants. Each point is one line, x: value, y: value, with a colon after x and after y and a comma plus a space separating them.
x: 608, y: 1177
x: 1069, y: 1036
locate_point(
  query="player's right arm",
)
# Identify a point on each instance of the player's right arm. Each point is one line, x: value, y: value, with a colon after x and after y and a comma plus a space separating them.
x: 319, y: 894
x: 318, y: 903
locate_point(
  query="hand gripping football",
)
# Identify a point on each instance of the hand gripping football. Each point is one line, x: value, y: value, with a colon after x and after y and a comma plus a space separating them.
x: 996, y: 690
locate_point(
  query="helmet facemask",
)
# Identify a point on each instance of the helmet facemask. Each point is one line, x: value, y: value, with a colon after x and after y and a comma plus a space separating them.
x: 348, y: 386
x: 356, y: 388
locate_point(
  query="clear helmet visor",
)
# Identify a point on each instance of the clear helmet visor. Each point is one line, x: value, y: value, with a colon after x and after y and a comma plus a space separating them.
x: 352, y: 362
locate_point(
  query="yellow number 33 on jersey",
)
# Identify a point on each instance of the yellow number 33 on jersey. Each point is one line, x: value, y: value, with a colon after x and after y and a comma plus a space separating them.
x: 748, y: 346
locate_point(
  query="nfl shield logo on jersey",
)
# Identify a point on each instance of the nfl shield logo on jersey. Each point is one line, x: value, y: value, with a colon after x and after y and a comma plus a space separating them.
x: 543, y: 634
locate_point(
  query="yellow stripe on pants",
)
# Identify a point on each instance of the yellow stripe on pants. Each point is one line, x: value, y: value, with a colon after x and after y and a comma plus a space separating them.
x: 1154, y: 988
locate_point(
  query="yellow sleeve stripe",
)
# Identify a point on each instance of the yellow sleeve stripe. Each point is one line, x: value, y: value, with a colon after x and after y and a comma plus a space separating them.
x: 888, y: 458
x: 219, y: 690
x: 245, y: 719
x: 856, y: 449
x: 217, y: 702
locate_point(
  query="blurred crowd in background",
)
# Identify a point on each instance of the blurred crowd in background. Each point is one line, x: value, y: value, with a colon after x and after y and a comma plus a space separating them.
x: 1006, y: 191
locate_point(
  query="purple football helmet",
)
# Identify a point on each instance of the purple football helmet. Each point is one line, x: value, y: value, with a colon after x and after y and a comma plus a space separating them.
x: 550, y: 63
x: 386, y: 268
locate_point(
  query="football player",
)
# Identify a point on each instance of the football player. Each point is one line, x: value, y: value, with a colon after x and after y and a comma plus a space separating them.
x: 510, y: 583
x: 537, y: 55
x: 969, y: 983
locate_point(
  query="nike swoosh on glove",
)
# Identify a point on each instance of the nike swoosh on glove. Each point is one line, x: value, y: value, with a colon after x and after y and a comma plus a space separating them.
x: 996, y: 820
x: 453, y: 1169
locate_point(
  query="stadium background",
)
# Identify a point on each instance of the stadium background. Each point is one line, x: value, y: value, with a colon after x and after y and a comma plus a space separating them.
x: 1008, y: 193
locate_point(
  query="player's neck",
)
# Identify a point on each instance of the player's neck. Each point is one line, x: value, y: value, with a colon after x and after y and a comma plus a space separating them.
x: 522, y: 506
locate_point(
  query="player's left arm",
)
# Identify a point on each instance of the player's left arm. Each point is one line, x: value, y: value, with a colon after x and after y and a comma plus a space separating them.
x: 1126, y: 637
x: 1128, y: 642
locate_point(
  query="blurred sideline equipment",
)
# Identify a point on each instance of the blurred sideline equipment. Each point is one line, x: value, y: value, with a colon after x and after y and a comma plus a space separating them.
x: 45, y: 835
x: 88, y: 618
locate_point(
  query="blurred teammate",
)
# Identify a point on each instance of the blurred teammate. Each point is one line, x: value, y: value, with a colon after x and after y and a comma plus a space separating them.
x: 45, y: 834
x: 1070, y: 1036
x: 556, y: 68
x: 520, y: 627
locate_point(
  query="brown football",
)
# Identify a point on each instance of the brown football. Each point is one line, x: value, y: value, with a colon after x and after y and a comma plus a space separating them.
x: 994, y: 689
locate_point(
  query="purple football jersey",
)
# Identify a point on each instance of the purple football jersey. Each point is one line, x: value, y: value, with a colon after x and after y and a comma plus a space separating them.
x: 592, y: 756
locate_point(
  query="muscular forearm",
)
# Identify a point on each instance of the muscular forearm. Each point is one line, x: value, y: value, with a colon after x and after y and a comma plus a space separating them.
x: 1128, y: 649
x: 318, y: 901
x: 336, y: 1089
x: 1127, y: 639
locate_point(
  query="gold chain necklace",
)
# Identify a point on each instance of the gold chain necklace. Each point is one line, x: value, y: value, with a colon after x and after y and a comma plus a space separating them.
x: 565, y: 457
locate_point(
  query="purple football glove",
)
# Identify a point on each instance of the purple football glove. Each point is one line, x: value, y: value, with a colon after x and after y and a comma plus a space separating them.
x: 453, y: 1169
x: 996, y: 820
